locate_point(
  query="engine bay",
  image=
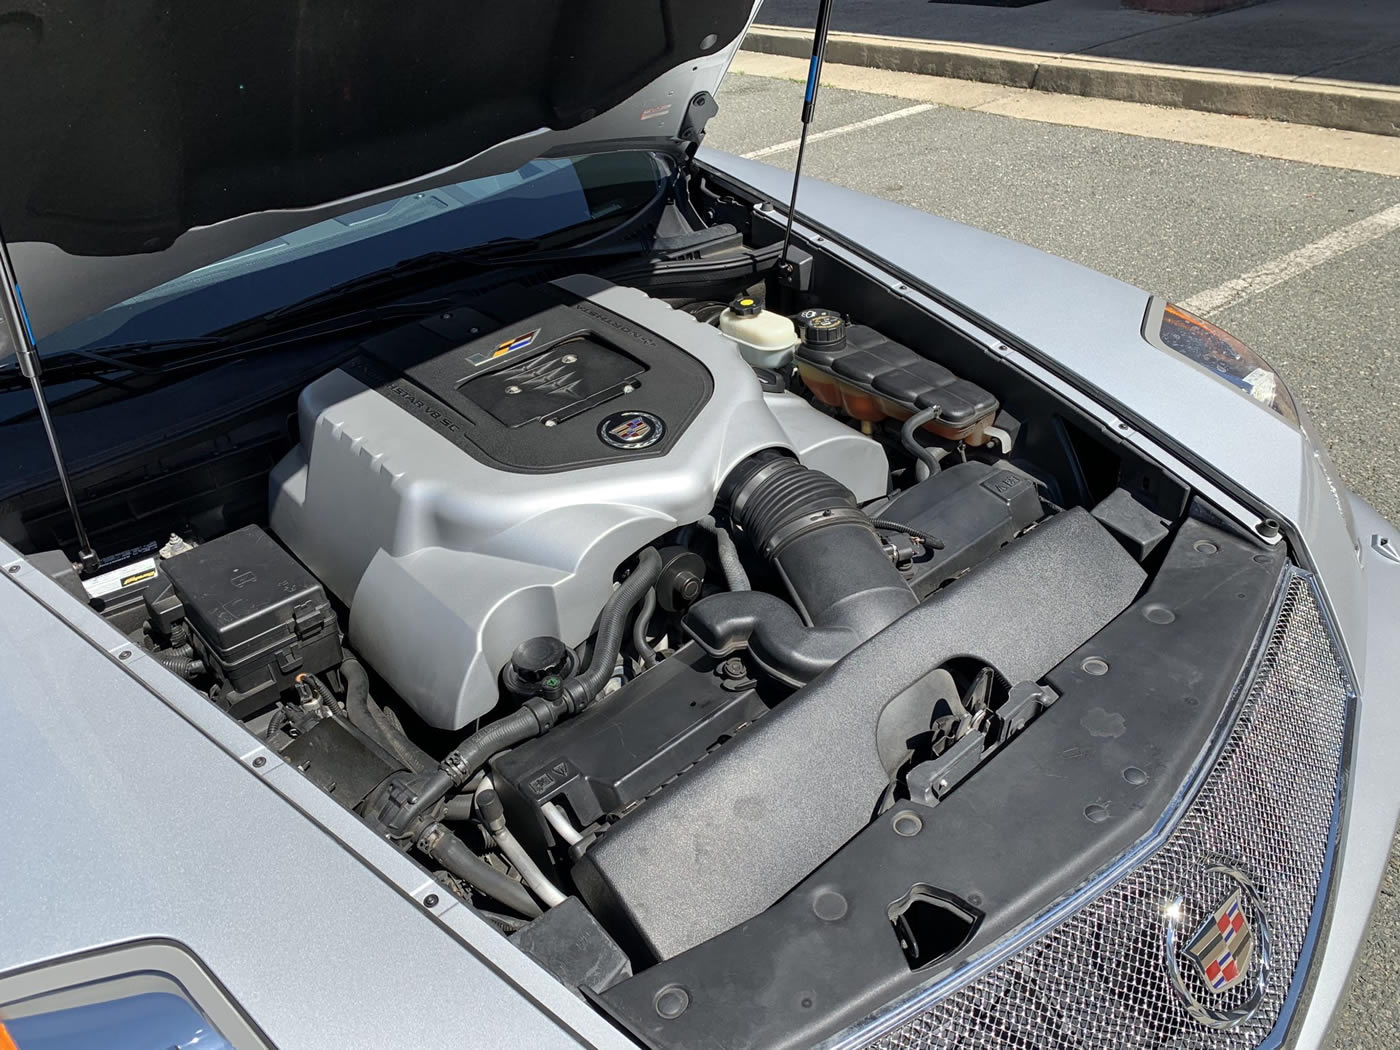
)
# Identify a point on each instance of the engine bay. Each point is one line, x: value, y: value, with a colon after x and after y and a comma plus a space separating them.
x: 635, y: 607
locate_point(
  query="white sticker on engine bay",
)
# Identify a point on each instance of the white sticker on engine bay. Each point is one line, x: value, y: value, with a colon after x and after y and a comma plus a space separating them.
x: 110, y: 582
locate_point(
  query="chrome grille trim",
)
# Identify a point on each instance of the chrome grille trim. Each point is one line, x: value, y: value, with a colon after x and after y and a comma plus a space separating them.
x: 1089, y: 973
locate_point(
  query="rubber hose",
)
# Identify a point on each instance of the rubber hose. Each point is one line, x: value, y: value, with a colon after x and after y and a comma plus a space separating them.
x: 414, y: 757
x: 361, y: 709
x: 639, y: 630
x: 462, y: 807
x: 922, y: 453
x: 729, y: 560
x: 469, y: 756
x: 456, y: 856
x: 583, y: 688
x: 186, y: 665
x: 579, y: 691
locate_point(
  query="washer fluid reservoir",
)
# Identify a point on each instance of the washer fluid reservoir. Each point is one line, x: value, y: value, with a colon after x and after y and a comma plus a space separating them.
x: 764, y: 339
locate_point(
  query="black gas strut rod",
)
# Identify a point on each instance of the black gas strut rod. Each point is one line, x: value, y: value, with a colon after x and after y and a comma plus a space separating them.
x: 786, y: 267
x: 22, y: 337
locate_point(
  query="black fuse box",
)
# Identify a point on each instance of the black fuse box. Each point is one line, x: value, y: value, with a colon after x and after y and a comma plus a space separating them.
x: 257, y: 618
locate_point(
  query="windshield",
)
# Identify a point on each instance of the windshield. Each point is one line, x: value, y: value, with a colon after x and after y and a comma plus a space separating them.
x: 542, y: 197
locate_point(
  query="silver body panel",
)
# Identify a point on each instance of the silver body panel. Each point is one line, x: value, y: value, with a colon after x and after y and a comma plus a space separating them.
x: 448, y: 563
x: 125, y: 777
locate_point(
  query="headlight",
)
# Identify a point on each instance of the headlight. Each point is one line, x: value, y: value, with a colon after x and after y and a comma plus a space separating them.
x: 1221, y: 354
x: 148, y: 995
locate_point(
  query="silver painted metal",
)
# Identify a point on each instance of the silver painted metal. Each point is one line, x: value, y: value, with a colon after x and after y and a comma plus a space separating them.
x: 447, y: 562
x: 1091, y: 972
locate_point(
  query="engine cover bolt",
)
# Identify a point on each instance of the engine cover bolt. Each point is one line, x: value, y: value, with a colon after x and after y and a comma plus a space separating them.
x: 569, y: 359
x: 733, y: 668
x: 512, y: 389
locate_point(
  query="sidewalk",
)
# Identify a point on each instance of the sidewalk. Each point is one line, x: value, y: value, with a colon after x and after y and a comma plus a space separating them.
x: 1334, y: 63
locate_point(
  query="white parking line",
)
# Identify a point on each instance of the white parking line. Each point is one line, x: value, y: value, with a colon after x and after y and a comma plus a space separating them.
x: 1286, y: 267
x: 817, y: 136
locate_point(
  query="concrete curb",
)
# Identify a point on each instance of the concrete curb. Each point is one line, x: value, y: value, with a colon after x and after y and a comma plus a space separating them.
x: 1326, y: 103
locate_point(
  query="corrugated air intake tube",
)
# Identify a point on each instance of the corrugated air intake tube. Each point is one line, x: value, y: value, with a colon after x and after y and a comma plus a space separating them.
x: 809, y: 527
x: 821, y: 543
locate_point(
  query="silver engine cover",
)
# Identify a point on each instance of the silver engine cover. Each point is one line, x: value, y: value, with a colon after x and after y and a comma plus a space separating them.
x: 447, y: 561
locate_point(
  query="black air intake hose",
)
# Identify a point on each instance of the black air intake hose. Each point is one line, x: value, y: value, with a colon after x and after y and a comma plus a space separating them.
x: 845, y: 589
x: 823, y: 545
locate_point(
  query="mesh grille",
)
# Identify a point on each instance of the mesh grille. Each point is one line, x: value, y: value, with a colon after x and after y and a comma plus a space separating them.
x: 1097, y: 979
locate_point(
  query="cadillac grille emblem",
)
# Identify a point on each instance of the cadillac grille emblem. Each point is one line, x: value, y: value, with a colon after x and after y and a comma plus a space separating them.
x: 631, y: 430
x: 1229, y: 949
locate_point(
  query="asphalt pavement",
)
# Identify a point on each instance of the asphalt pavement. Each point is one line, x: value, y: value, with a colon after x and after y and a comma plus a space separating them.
x: 1300, y: 260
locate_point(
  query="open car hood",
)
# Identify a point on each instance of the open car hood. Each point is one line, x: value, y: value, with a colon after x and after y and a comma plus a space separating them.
x: 142, y: 140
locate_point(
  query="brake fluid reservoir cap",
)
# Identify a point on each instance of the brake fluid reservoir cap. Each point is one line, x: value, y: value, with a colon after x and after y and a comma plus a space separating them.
x: 746, y: 305
x: 821, y: 329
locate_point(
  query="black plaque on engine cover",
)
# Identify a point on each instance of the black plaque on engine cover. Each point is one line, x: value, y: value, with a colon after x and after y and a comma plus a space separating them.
x: 556, y: 384
x: 521, y: 379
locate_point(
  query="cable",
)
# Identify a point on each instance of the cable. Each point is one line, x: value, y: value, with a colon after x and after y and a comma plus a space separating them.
x: 927, y: 539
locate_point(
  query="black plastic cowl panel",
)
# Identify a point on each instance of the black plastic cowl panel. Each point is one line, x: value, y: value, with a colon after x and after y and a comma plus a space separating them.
x: 1086, y: 780
x: 730, y: 838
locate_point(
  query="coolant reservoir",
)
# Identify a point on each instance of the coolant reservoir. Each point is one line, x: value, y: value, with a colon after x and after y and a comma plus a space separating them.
x: 765, y: 339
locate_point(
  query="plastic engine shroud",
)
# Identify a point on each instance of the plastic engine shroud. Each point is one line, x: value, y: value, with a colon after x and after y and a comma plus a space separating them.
x: 432, y: 510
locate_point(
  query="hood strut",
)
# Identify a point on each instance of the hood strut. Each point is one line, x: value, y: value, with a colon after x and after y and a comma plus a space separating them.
x: 12, y: 305
x: 787, y: 269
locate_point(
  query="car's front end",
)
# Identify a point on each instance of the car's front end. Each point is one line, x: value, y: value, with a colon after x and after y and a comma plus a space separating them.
x: 528, y: 614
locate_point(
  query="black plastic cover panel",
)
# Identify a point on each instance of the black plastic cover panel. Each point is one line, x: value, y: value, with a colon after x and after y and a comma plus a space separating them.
x: 526, y: 388
x: 615, y: 754
x: 974, y: 508
x: 741, y: 829
x: 1088, y: 778
x: 258, y: 616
